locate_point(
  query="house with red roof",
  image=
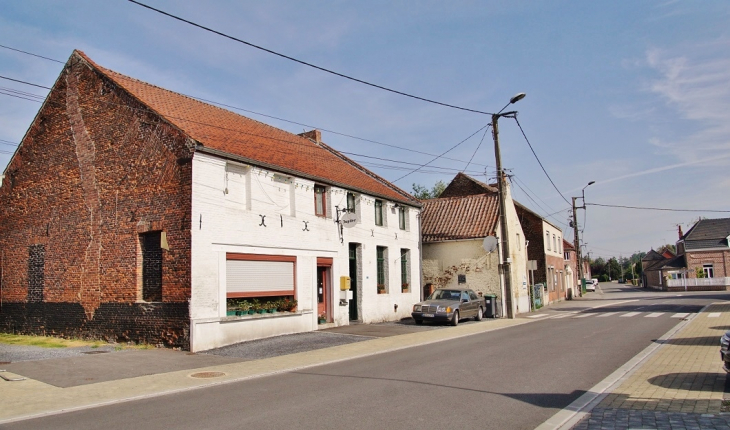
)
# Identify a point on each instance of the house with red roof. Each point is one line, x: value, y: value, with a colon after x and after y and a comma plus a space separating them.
x: 459, y: 233
x: 133, y: 213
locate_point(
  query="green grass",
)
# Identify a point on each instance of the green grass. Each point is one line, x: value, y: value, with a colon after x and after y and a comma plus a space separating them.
x: 46, y: 341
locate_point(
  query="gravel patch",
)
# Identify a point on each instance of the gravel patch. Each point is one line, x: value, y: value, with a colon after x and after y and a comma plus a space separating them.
x: 16, y: 353
x: 287, y: 344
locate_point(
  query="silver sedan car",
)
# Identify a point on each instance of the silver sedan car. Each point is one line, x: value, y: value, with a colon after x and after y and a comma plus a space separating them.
x: 449, y: 305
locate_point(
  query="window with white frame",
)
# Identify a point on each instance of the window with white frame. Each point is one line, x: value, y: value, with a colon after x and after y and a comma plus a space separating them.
x: 709, y: 270
x: 547, y: 240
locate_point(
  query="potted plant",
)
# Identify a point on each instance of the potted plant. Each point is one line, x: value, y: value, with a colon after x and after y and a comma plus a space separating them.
x: 322, y: 318
x: 286, y: 305
x: 381, y: 288
x: 243, y: 307
x: 271, y: 307
x: 257, y: 307
x: 404, y: 287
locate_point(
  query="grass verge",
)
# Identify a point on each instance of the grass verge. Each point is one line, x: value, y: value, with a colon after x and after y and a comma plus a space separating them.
x: 47, y: 341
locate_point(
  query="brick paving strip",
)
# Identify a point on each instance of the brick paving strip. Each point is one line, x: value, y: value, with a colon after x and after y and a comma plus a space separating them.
x: 679, y: 384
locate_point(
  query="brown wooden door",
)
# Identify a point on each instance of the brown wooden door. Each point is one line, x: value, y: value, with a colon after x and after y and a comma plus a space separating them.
x: 322, y: 293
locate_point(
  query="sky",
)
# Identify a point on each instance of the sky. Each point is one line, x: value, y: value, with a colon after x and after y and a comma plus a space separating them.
x: 634, y: 95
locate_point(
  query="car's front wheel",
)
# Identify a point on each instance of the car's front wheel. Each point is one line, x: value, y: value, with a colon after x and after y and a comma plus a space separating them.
x: 479, y: 314
x: 455, y: 318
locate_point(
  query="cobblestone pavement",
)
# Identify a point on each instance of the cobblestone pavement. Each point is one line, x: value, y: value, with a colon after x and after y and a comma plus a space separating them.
x: 681, y: 386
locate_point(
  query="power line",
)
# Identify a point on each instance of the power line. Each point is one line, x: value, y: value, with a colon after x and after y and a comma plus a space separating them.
x: 446, y: 152
x: 538, y: 160
x: 35, y: 55
x: 657, y: 209
x: 304, y: 62
x: 404, y: 162
x: 478, y: 146
x: 24, y: 82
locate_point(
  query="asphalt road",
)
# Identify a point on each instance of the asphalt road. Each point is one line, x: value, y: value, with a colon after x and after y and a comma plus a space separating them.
x: 514, y: 378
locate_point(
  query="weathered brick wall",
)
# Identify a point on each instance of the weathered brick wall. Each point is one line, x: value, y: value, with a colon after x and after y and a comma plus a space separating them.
x: 94, y: 170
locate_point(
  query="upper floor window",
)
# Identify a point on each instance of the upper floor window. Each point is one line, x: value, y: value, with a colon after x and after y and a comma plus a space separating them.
x: 555, y: 244
x: 519, y: 245
x: 350, y: 202
x: 401, y: 217
x: 547, y: 240
x: 320, y: 201
x: 378, y: 212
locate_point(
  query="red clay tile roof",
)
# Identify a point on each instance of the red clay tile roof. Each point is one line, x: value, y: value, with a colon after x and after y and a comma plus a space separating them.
x: 452, y: 218
x: 222, y: 130
x: 568, y: 246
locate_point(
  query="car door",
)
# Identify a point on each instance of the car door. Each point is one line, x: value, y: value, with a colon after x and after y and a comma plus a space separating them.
x: 467, y: 305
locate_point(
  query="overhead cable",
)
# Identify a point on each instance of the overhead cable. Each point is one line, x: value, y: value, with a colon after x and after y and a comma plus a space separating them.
x: 538, y: 160
x: 657, y: 209
x: 304, y: 62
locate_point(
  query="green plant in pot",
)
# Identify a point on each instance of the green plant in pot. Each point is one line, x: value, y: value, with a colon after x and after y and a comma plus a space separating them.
x: 257, y: 307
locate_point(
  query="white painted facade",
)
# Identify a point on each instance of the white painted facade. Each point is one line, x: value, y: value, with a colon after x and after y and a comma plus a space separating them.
x: 243, y: 209
x: 518, y: 257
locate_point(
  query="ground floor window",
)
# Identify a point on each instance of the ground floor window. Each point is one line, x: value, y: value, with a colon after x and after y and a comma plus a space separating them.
x: 151, y: 244
x: 259, y: 275
x: 404, y: 273
x: 381, y: 268
x: 709, y: 270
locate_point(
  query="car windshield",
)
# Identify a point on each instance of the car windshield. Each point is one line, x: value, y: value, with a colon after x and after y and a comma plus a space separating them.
x: 445, y: 295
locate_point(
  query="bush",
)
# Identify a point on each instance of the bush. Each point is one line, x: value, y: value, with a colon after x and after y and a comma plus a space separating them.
x: 603, y: 278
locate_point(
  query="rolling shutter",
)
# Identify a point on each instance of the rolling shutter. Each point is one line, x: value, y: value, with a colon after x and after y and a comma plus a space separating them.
x: 250, y: 278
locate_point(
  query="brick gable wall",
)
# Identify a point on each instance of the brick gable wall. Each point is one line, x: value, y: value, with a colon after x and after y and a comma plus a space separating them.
x: 94, y: 170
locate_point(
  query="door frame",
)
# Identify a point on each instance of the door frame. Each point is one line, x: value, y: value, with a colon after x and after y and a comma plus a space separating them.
x: 326, y: 263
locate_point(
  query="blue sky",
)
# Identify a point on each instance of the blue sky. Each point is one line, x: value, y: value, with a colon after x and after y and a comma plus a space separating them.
x: 634, y: 95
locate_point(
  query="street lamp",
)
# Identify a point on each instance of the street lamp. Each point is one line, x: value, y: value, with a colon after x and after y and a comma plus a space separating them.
x: 576, y: 238
x: 506, y: 260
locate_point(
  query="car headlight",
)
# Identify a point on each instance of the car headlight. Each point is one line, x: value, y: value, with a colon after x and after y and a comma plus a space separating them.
x: 416, y: 308
x: 441, y: 309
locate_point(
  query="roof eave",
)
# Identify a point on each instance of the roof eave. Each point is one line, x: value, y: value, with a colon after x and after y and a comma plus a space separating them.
x: 226, y: 155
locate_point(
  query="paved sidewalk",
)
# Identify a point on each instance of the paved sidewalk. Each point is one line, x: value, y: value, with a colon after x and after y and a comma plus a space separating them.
x: 680, y: 386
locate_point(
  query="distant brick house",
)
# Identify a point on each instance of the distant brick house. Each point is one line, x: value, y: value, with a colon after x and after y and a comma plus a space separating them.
x: 130, y: 212
x: 454, y: 227
x: 702, y: 262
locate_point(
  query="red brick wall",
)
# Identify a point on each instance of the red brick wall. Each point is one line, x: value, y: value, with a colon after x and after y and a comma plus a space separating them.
x: 94, y: 167
x: 719, y: 259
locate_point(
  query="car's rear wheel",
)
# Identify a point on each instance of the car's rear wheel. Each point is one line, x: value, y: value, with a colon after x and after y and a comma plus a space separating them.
x: 480, y: 313
x: 455, y: 318
x: 418, y: 322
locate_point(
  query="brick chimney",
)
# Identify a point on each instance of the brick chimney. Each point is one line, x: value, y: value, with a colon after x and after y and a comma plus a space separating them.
x: 315, y: 135
x: 679, y: 230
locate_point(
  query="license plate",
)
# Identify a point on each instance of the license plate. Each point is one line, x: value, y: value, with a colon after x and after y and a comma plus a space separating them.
x: 428, y: 315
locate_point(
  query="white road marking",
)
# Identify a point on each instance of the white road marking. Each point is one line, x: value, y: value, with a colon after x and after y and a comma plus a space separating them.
x: 713, y: 315
x: 680, y: 315
x: 630, y: 314
x: 537, y: 316
x: 607, y: 314
x: 585, y: 315
x: 570, y: 314
x: 654, y: 315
